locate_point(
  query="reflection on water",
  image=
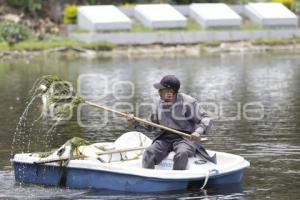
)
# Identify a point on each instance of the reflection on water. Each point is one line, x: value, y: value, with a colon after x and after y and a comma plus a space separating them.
x: 227, y: 85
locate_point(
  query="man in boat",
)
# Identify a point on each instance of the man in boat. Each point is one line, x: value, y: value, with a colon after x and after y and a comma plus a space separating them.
x: 178, y: 111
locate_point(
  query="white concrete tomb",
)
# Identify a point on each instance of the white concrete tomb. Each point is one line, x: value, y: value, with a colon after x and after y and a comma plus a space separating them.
x: 271, y: 14
x: 159, y: 16
x: 102, y: 18
x: 214, y: 15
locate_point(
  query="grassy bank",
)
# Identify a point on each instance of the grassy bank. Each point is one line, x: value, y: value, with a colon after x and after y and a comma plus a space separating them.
x: 259, y: 42
x: 53, y: 43
x: 57, y: 43
x: 275, y: 41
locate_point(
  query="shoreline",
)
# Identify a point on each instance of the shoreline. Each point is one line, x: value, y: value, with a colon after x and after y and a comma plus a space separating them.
x: 159, y: 50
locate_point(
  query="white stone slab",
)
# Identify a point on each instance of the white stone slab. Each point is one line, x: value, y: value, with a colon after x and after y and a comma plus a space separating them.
x: 271, y: 14
x: 159, y: 16
x: 184, y: 37
x: 214, y: 15
x: 102, y: 18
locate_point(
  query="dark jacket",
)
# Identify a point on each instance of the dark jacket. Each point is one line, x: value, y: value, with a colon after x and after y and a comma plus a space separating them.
x: 185, y: 115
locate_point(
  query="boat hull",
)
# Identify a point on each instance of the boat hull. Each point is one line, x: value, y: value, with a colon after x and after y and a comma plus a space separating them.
x: 79, y: 178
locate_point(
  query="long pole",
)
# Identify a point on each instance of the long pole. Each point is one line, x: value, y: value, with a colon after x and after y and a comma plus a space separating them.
x: 142, y: 120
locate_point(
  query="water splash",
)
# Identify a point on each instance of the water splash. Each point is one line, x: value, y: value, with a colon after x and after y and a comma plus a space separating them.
x: 57, y: 98
x: 19, y: 134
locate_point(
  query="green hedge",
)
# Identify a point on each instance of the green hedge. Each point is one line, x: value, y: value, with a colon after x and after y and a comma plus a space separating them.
x: 12, y: 32
x: 70, y: 14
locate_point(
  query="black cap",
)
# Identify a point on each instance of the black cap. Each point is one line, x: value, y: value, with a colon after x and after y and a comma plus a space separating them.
x: 168, y: 81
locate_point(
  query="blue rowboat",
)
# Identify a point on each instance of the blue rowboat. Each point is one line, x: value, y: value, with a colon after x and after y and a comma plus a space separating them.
x: 124, y: 172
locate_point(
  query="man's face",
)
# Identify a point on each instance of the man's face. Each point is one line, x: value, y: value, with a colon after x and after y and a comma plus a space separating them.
x: 167, y: 95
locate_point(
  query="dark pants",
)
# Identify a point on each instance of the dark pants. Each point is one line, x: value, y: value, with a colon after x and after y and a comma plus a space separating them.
x: 160, y: 149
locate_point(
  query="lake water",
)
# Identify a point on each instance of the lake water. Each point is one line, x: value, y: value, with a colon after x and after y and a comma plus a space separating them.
x: 254, y: 100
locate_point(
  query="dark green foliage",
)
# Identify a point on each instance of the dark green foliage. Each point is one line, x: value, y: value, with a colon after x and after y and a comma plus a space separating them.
x: 12, y: 32
x: 32, y: 7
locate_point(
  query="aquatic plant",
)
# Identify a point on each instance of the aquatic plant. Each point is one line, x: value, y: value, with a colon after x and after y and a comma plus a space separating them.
x: 73, y: 144
x: 56, y: 90
x: 58, y: 100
